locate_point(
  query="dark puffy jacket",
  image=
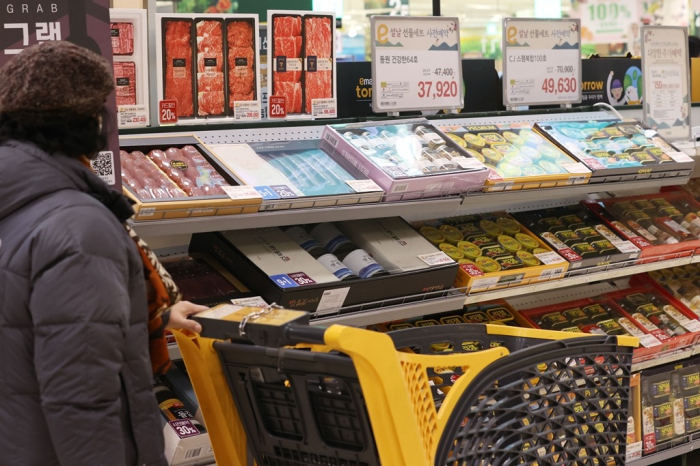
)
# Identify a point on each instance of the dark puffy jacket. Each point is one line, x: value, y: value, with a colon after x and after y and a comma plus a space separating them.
x: 75, y: 387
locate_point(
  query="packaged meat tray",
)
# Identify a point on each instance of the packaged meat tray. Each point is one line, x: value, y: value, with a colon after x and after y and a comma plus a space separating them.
x: 616, y: 150
x: 242, y: 65
x: 299, y: 266
x: 294, y: 174
x: 517, y: 157
x: 493, y: 251
x: 211, y: 88
x: 178, y: 53
x: 408, y: 159
x: 217, y: 61
x: 122, y: 38
x: 130, y: 63
x: 580, y: 237
x: 303, y: 52
x: 176, y: 177
x: 203, y: 280
x: 663, y: 225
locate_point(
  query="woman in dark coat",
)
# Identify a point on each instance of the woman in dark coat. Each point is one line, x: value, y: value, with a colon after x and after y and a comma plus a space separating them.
x: 75, y: 321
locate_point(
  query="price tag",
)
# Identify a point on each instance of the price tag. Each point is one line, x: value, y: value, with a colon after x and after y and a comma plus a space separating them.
x: 680, y: 157
x: 246, y: 110
x: 625, y: 246
x: 255, y: 301
x: 147, y: 212
x: 416, y: 63
x: 167, y: 112
x: 324, y: 108
x: 132, y: 116
x: 363, y: 186
x: 241, y: 192
x: 184, y: 428
x: 541, y: 61
x: 278, y: 106
x: 332, y: 300
x: 666, y: 81
x: 577, y: 167
x: 633, y: 451
x: 484, y: 283
x: 468, y: 163
x: 436, y: 258
x: 549, y: 258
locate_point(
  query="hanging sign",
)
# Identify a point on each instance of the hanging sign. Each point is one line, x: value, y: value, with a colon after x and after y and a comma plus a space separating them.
x: 666, y: 81
x: 541, y: 61
x: 83, y: 22
x: 416, y: 63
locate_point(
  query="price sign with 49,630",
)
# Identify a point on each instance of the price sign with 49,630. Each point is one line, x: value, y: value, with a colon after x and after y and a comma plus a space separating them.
x: 416, y: 63
x: 541, y: 61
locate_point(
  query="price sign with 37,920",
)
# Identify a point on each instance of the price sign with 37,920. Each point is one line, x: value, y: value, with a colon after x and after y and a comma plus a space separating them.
x: 541, y: 61
x: 416, y: 63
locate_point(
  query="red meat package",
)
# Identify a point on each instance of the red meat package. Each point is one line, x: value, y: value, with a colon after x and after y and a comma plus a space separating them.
x: 178, y: 83
x: 122, y: 38
x: 210, y: 68
x: 241, y: 61
x: 318, y: 50
x: 145, y: 179
x: 125, y: 78
x: 188, y: 168
x: 286, y: 50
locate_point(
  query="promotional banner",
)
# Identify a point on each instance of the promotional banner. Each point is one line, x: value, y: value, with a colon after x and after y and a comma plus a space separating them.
x: 416, y: 63
x: 614, y: 81
x: 666, y: 87
x: 83, y: 22
x: 541, y: 61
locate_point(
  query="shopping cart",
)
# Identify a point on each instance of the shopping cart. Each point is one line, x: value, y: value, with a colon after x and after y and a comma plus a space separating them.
x: 413, y: 397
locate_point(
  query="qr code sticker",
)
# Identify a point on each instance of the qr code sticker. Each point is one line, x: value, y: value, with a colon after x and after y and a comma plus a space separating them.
x: 103, y: 166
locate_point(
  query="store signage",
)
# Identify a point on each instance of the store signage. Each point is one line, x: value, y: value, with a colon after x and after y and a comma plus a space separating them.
x: 83, y: 22
x: 667, y: 81
x: 416, y: 63
x: 614, y: 81
x: 541, y: 61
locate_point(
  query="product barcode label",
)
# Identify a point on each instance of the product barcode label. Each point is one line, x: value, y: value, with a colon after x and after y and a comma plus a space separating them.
x: 103, y: 166
x: 577, y: 167
x: 484, y: 283
x: 680, y: 157
x: 193, y: 453
x: 625, y: 246
x: 576, y: 180
x: 551, y: 273
x: 331, y: 139
x: 399, y: 188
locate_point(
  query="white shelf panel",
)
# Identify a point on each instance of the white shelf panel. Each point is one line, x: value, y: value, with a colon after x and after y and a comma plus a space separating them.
x: 526, y: 199
x: 434, y: 303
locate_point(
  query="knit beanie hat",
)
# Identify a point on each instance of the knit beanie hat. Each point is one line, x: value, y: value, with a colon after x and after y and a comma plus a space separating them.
x: 54, y: 80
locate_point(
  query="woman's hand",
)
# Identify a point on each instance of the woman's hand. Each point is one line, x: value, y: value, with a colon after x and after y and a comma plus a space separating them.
x: 178, y: 316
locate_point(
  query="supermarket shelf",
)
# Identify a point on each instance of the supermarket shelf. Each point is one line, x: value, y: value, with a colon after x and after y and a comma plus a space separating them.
x: 454, y: 205
x: 685, y: 353
x: 454, y: 300
x: 436, y: 302
x: 667, y: 454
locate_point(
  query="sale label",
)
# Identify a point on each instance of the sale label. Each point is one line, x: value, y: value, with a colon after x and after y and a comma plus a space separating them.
x: 184, y: 428
x: 666, y: 81
x: 277, y: 106
x: 416, y: 63
x: 167, y: 112
x: 541, y: 62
